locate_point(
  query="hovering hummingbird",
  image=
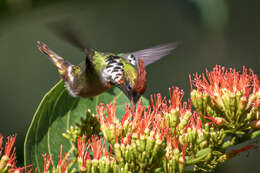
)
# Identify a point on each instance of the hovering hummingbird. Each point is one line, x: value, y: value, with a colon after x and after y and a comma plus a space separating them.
x: 101, y: 71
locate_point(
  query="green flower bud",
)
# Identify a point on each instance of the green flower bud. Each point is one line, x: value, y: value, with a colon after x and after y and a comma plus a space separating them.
x: 242, y: 101
x: 172, y: 164
x: 181, y: 164
x: 255, y: 134
x: 150, y: 143
x: 185, y: 120
x: 189, y: 137
x: 134, y: 150
x: 3, y: 162
x: 117, y: 151
x: 176, y: 153
x: 126, y: 167
x: 200, y: 155
x: 251, y: 100
x: 144, y: 157
x: 88, y: 165
x: 226, y: 99
x: 182, y: 139
x: 206, y: 129
x: 156, y: 147
x: 101, y: 165
x: 128, y: 154
x: 174, y: 117
x: 123, y: 150
x: 107, y: 167
x: 141, y: 143
x: 115, y: 168
x: 203, y: 144
x: 147, y: 132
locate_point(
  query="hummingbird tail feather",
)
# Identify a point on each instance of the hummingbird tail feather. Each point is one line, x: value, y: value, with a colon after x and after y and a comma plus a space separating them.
x: 57, y: 60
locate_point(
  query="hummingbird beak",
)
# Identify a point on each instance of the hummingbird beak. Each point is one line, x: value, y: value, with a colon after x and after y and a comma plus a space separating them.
x: 134, y: 100
x: 57, y: 60
x: 132, y: 95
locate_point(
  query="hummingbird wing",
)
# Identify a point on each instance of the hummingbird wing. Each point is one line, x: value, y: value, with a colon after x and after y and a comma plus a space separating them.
x: 66, y: 30
x: 150, y: 55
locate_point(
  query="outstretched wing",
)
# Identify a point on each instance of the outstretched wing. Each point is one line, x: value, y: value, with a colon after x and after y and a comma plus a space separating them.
x: 150, y: 55
x: 67, y: 31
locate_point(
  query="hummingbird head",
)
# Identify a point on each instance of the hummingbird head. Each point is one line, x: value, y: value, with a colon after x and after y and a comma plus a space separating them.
x: 134, y: 90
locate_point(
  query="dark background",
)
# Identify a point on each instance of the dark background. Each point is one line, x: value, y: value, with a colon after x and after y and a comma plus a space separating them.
x: 211, y: 32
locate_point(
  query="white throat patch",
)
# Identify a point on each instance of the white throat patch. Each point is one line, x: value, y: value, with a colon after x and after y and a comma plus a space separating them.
x: 70, y: 71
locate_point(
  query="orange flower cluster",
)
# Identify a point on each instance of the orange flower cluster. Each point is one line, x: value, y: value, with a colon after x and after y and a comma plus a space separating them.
x: 8, y: 159
x: 228, y: 97
x: 140, y: 137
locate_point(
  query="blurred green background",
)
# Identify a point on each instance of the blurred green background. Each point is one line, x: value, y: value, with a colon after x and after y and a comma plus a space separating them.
x: 211, y: 32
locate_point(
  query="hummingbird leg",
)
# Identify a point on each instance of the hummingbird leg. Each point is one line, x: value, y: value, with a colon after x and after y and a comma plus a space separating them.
x: 57, y: 60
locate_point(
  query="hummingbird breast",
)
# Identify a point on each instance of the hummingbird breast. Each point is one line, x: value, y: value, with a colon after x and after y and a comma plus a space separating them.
x: 86, y: 88
x: 86, y: 83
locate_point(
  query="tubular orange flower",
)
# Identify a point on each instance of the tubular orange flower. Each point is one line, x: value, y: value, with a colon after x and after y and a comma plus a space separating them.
x: 9, y: 146
x: 9, y: 158
x: 97, y: 147
x: 47, y: 162
x: 22, y: 169
x: 82, y: 153
x: 110, y: 120
x: 64, y: 161
x: 175, y: 101
x: 195, y: 122
x: 175, y: 97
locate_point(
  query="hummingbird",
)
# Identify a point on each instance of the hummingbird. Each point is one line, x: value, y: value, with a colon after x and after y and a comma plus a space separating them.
x: 103, y: 70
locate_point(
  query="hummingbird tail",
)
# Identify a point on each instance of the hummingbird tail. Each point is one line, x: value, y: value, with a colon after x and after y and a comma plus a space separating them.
x: 57, y: 60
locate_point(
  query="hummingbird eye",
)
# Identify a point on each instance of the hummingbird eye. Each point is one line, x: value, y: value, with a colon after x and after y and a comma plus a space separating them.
x: 130, y: 87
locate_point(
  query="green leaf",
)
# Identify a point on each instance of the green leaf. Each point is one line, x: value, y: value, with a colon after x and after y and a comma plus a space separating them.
x: 55, y: 114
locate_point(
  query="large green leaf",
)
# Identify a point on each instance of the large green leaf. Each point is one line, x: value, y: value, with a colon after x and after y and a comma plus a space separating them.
x: 55, y: 114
